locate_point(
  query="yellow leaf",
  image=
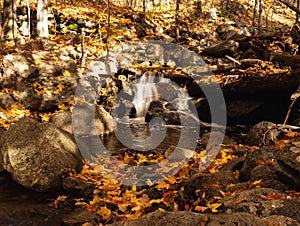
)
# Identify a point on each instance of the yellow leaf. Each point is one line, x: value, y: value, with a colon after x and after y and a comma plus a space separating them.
x: 214, y: 207
x: 123, y: 207
x: 162, y: 185
x: 66, y: 73
x: 257, y: 182
x: 60, y: 87
x: 104, y: 212
x: 135, y: 215
x: 38, y: 62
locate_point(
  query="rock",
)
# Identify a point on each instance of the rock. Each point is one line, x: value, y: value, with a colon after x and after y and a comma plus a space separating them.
x: 281, y: 220
x: 264, y: 202
x: 225, y: 27
x: 5, y: 100
x: 193, y: 219
x: 78, y: 187
x: 276, y: 168
x: 226, y: 140
x: 63, y: 121
x: 252, y: 195
x: 84, y: 123
x: 90, y: 24
x: 263, y: 133
x: 220, y: 49
x: 35, y: 153
x: 241, y: 108
x: 2, y: 132
x: 80, y: 216
x: 40, y: 82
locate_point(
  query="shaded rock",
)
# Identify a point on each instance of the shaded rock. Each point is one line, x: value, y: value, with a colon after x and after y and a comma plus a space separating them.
x: 220, y: 49
x: 35, y: 153
x: 241, y: 108
x: 226, y: 140
x: 79, y: 217
x: 277, y: 168
x: 193, y: 219
x: 5, y: 100
x: 78, y: 187
x: 2, y: 132
x: 263, y: 133
x: 41, y: 80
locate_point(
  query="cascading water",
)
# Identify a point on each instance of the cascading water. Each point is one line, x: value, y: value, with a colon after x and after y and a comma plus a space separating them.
x: 145, y: 93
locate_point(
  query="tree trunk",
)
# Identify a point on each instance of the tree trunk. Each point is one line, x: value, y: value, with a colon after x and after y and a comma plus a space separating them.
x: 260, y: 18
x: 177, y: 19
x: 297, y: 15
x: 9, y: 19
x: 42, y: 18
x: 254, y: 13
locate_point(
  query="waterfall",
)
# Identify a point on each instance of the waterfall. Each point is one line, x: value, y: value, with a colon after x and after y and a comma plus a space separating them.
x: 145, y: 93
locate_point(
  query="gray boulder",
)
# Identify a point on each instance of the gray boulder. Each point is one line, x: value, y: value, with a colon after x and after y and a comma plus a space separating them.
x: 35, y: 153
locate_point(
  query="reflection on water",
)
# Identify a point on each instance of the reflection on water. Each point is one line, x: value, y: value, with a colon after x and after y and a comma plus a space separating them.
x: 142, y: 131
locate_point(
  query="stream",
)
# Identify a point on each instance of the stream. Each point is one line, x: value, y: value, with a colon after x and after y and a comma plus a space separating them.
x: 20, y: 206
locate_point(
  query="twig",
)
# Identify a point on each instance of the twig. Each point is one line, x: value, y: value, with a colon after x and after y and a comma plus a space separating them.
x: 234, y: 60
x: 83, y: 50
x: 294, y: 97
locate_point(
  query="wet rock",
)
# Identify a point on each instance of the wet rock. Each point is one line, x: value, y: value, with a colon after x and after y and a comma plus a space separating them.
x: 276, y: 168
x: 193, y: 219
x: 263, y: 133
x: 40, y: 82
x: 35, y: 153
x: 220, y: 49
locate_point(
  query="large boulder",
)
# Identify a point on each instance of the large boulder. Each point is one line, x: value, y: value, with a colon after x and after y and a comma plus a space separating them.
x: 184, y: 218
x: 277, y: 168
x: 35, y: 154
x: 40, y: 80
